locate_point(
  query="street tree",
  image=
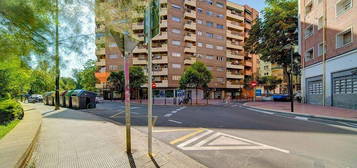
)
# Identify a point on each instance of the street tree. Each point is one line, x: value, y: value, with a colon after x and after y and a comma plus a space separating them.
x: 85, y: 77
x: 196, y: 76
x: 269, y: 83
x: 67, y: 83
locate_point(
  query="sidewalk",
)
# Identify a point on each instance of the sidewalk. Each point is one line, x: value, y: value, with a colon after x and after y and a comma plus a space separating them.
x: 70, y: 138
x: 308, y: 109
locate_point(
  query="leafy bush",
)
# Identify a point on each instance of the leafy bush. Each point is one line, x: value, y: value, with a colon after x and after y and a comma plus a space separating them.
x: 10, y: 110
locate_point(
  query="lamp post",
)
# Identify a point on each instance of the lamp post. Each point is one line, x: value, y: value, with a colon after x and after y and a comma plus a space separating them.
x: 291, y: 95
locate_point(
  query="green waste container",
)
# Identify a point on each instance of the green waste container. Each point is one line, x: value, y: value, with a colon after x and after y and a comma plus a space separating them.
x: 82, y: 99
x: 68, y: 98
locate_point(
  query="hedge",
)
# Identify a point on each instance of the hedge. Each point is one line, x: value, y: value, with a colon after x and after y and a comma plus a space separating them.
x: 10, y: 110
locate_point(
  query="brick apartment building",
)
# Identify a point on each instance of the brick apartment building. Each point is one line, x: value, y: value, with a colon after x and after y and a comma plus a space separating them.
x: 210, y: 31
x: 340, y: 72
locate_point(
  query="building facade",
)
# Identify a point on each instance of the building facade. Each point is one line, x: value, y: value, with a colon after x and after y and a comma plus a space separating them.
x: 209, y: 31
x: 329, y: 75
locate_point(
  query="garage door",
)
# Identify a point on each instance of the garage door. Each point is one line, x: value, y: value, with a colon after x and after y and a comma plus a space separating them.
x: 314, y: 91
x: 345, y: 91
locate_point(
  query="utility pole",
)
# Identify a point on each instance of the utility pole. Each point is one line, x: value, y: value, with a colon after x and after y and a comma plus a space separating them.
x: 127, y: 101
x: 291, y: 79
x: 57, y: 59
x: 324, y: 55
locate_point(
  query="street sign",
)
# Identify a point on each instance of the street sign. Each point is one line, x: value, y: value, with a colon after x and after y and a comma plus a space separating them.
x: 253, y: 83
x: 153, y: 85
x: 258, y: 92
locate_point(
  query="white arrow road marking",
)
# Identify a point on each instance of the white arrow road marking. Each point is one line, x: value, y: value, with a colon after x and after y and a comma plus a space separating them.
x: 178, y: 122
x: 222, y: 141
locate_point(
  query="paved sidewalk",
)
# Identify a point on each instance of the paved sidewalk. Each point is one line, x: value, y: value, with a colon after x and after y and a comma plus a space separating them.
x: 308, y: 109
x: 70, y: 138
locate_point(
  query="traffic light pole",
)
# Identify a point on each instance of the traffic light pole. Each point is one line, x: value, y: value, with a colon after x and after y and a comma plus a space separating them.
x: 150, y: 97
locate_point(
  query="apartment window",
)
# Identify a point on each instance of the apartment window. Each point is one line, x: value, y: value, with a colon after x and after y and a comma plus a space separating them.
x: 220, y: 80
x: 320, y: 23
x: 176, y: 54
x: 199, y: 21
x: 220, y: 16
x: 199, y: 44
x: 309, y: 54
x: 210, y: 68
x: 309, y: 31
x: 199, y: 33
x: 209, y: 46
x: 113, y: 67
x: 176, y: 6
x: 219, y: 26
x: 219, y: 4
x: 176, y: 19
x: 219, y: 37
x: 210, y: 57
x: 219, y: 47
x: 176, y: 66
x: 209, y: 13
x: 176, y: 43
x: 321, y: 50
x: 308, y: 7
x: 176, y: 77
x: 199, y: 10
x: 113, y: 56
x: 209, y: 24
x: 210, y: 2
x: 343, y: 6
x: 177, y: 31
x: 220, y: 69
x: 209, y: 35
x: 344, y: 38
x: 220, y: 58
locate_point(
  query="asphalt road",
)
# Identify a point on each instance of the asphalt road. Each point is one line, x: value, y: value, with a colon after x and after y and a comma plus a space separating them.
x: 230, y: 136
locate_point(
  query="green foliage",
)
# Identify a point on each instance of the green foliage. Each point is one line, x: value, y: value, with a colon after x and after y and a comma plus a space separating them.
x: 10, y: 110
x: 4, y: 129
x: 85, y: 78
x: 117, y: 80
x: 41, y: 82
x: 269, y: 82
x: 136, y: 76
x: 67, y: 83
x: 196, y: 76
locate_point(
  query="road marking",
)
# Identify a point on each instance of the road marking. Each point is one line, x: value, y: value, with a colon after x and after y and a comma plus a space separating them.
x: 178, y: 122
x: 168, y: 115
x: 301, y: 118
x: 176, y: 130
x: 117, y: 114
x: 193, y: 139
x: 174, y: 111
x: 186, y: 136
x: 261, y: 111
x: 349, y: 124
x: 222, y: 141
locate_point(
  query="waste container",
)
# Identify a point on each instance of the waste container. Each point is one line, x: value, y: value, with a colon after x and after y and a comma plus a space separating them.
x: 51, y: 98
x: 46, y: 98
x: 63, y: 98
x: 82, y: 99
x: 68, y: 99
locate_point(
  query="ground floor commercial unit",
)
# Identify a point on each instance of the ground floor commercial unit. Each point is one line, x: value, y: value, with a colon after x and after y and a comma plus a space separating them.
x: 340, y: 78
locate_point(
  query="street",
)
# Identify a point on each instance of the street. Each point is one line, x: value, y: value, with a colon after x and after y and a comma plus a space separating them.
x: 232, y: 136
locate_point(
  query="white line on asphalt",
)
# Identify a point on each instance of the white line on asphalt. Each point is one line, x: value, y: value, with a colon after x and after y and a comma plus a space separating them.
x: 301, y: 118
x: 178, y: 122
x: 261, y: 111
x: 174, y: 111
x: 349, y: 124
x: 194, y: 139
x: 168, y: 115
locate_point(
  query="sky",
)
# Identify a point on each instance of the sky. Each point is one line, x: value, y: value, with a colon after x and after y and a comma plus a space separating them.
x: 86, y: 17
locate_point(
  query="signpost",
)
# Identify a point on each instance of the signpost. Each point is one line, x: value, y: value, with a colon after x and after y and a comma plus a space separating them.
x: 254, y: 84
x: 151, y: 29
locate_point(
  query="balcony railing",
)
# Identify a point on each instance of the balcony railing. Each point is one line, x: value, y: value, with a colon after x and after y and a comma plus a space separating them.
x: 237, y: 46
x: 235, y: 35
x: 191, y: 49
x: 190, y: 2
x: 138, y: 61
x: 161, y: 36
x: 162, y: 60
x: 231, y: 84
x: 234, y: 75
x: 100, y: 51
x: 101, y: 62
x: 190, y: 25
x: 190, y: 13
x: 190, y: 61
x: 190, y: 37
x: 234, y: 55
x: 235, y: 25
x: 234, y: 15
x: 248, y: 63
x: 234, y: 66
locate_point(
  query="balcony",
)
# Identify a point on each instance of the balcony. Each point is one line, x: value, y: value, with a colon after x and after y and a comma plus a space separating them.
x: 248, y: 72
x: 234, y: 76
x: 162, y: 60
x: 163, y: 11
x: 138, y: 61
x: 234, y: 45
x: 235, y: 25
x: 99, y: 85
x: 234, y: 85
x: 101, y: 62
x: 234, y: 66
x: 190, y: 61
x: 234, y: 56
x: 138, y: 26
x: 190, y: 2
x: 163, y: 23
x: 234, y: 15
x: 190, y: 49
x: 161, y: 72
x: 190, y: 37
x: 100, y: 51
x: 162, y: 48
x: 235, y: 35
x: 190, y: 14
x: 248, y: 26
x: 161, y: 36
x: 248, y: 63
x: 163, y: 1
x: 190, y: 25
x: 138, y: 50
x: 160, y: 84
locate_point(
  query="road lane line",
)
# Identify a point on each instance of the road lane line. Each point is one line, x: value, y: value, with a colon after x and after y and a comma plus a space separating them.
x: 186, y: 136
x: 176, y: 130
x: 301, y: 118
x: 168, y: 115
x: 117, y: 114
x: 178, y: 122
x: 261, y: 111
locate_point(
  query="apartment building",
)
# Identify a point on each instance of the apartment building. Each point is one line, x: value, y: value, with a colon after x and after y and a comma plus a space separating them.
x: 209, y: 31
x: 329, y: 75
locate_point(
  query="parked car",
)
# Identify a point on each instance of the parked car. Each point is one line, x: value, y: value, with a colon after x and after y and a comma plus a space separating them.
x: 99, y: 99
x: 35, y: 98
x: 281, y: 97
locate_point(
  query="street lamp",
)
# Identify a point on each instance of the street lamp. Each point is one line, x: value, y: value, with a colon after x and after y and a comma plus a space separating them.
x: 292, y: 48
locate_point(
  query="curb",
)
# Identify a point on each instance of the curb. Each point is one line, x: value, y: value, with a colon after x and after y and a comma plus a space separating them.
x: 304, y: 115
x: 24, y: 161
